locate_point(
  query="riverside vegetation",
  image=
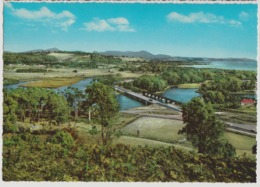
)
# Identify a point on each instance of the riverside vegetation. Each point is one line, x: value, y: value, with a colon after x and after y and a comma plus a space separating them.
x: 42, y: 140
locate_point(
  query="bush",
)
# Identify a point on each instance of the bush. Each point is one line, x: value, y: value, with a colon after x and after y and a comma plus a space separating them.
x: 73, y: 132
x: 9, y: 127
x: 31, y: 70
x: 12, y: 141
x: 62, y: 137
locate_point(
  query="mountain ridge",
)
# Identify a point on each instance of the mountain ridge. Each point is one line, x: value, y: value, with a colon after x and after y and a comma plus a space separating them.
x: 145, y: 55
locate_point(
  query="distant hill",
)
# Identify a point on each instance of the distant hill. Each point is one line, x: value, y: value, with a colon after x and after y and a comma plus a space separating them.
x: 43, y: 50
x: 142, y: 54
x: 149, y: 56
x: 146, y: 55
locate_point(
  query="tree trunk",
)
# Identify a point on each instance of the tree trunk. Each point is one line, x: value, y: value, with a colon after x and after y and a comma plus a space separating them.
x: 89, y: 115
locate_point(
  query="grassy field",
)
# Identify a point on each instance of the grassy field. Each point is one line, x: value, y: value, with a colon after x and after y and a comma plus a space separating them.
x: 53, y: 83
x: 10, y: 72
x: 240, y: 119
x: 154, y: 109
x: 191, y: 85
x: 83, y: 127
x: 159, y: 129
x: 242, y: 115
x: 243, y: 144
x: 164, y: 132
x: 135, y: 141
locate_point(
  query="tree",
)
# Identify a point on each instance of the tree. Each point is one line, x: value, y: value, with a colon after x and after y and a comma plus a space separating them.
x: 74, y: 98
x: 9, y: 109
x: 150, y: 83
x: 57, y: 108
x: 204, y: 130
x: 234, y: 84
x: 102, y: 99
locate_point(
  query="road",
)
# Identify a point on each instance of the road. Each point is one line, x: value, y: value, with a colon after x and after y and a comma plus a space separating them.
x: 241, y: 131
x: 245, y: 128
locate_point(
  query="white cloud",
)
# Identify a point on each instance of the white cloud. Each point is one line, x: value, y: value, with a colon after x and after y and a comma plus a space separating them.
x: 200, y: 17
x: 119, y: 21
x: 113, y: 24
x: 235, y: 23
x: 125, y: 28
x: 243, y: 16
x: 99, y: 25
x: 62, y: 20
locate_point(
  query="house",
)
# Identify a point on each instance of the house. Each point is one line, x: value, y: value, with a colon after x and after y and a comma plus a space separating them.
x: 246, y: 102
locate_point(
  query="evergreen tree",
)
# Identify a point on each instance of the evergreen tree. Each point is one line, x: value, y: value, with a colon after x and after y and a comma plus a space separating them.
x: 204, y: 130
x: 102, y: 99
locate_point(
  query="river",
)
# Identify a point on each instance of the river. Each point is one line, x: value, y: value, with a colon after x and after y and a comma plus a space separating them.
x: 182, y: 95
x: 179, y: 94
x: 249, y: 65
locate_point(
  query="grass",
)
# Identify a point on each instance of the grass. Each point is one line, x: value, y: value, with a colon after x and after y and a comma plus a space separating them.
x: 165, y: 130
x: 83, y: 126
x: 155, y: 109
x: 134, y: 141
x: 240, y: 119
x: 191, y: 85
x: 242, y: 115
x: 244, y: 109
x: 53, y: 83
x: 243, y: 144
x: 10, y: 72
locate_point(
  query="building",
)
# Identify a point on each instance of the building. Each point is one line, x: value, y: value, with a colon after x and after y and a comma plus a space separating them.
x: 246, y: 102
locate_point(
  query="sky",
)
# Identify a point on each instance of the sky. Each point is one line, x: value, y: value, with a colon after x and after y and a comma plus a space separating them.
x: 190, y: 30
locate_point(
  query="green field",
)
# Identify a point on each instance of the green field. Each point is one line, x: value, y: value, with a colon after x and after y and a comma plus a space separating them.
x: 135, y: 141
x: 191, y: 85
x: 165, y: 130
x: 54, y: 82
x: 156, y: 132
x: 243, y: 144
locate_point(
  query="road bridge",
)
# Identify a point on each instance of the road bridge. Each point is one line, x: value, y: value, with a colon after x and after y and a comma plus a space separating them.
x: 161, y: 98
x: 146, y: 100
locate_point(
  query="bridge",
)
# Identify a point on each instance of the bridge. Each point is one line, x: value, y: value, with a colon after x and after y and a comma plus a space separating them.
x: 145, y: 99
x: 161, y: 98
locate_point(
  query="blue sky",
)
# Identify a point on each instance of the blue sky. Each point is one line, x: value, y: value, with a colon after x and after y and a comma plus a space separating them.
x: 194, y: 30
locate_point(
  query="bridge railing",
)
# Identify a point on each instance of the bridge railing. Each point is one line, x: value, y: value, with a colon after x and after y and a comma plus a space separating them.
x: 161, y: 98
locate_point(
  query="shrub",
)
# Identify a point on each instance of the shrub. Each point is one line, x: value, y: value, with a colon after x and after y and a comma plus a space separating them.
x: 62, y: 137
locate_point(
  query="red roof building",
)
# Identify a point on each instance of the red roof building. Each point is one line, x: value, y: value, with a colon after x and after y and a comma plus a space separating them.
x: 247, y: 102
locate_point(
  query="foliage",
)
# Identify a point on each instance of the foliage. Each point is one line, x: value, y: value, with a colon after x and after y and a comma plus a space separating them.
x: 78, y: 59
x: 10, y: 106
x: 150, y: 83
x: 10, y: 81
x: 93, y: 130
x: 221, y: 91
x: 63, y: 138
x: 204, y: 130
x: 36, y: 104
x: 102, y: 99
x: 25, y: 161
x: 31, y: 70
x: 28, y: 58
x: 109, y: 80
x: 75, y: 98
